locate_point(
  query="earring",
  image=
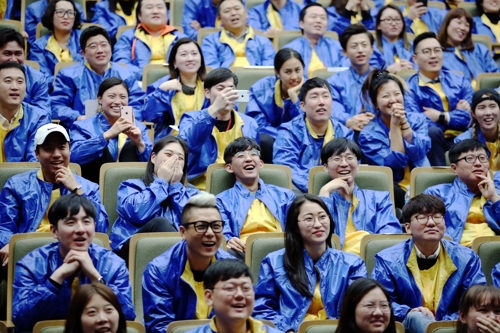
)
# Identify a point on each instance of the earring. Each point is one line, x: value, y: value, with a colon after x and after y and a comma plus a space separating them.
x: 99, y: 109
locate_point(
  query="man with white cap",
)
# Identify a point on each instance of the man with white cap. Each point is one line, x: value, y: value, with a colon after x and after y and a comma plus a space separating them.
x: 26, y: 198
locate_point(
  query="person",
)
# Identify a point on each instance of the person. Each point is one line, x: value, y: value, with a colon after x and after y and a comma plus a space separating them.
x: 485, y: 118
x: 93, y: 307
x: 154, y: 203
x: 357, y: 212
x: 112, y: 14
x: 396, y: 137
x: 150, y: 42
x: 460, y: 52
x: 416, y: 271
x: 108, y: 136
x: 307, y: 273
x: 208, y: 132
x: 63, y: 43
x: 471, y: 200
x: 250, y: 206
x: 420, y: 18
x: 179, y: 92
x: 479, y: 310
x: 76, y: 84
x: 237, y: 44
x: 298, y: 142
x: 19, y: 120
x: 43, y: 187
x: 199, y: 14
x: 347, y: 12
x: 392, y: 40
x: 226, y: 282
x: 6, y: 11
x: 274, y: 99
x: 37, y: 84
x: 495, y: 275
x: 274, y: 16
x: 46, y: 278
x: 366, y: 307
x: 318, y: 51
x: 177, y: 275
x: 443, y: 96
x: 487, y: 21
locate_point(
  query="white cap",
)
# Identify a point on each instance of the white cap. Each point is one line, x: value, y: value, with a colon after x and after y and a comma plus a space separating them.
x: 45, y: 130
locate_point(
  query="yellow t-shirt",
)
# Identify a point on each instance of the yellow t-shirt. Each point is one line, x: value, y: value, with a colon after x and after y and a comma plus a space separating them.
x: 274, y: 18
x: 495, y: 28
x: 315, y: 63
x: 476, y: 224
x: 259, y: 219
x: 122, y: 138
x: 62, y: 55
x: 396, y: 58
x: 316, y: 310
x: 418, y: 26
x: 495, y: 157
x: 239, y: 48
x: 329, y: 135
x: 75, y: 286
x: 158, y: 45
x: 278, y: 100
x: 129, y: 19
x: 4, y: 132
x: 356, y: 19
x: 56, y: 194
x: 405, y: 182
x: 182, y: 103
x: 353, y: 236
x: 202, y: 308
x: 253, y: 325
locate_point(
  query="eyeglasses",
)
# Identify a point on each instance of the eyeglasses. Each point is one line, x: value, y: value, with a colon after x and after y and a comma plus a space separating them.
x: 202, y: 226
x: 428, y: 51
x: 251, y: 153
x: 231, y: 290
x: 322, y: 218
x: 423, y: 219
x: 391, y: 20
x: 94, y: 46
x: 62, y: 12
x: 472, y: 158
x: 371, y: 306
x: 338, y: 159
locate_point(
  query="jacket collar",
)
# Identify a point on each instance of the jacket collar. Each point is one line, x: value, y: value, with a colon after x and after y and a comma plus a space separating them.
x: 243, y: 190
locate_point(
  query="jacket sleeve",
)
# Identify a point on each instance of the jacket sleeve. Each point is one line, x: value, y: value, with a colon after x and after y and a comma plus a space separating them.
x: 375, y: 149
x: 460, y: 119
x: 421, y: 143
x: 85, y: 146
x: 30, y: 24
x: 37, y: 54
x: 337, y: 22
x: 100, y: 18
x: 254, y: 18
x: 226, y: 216
x: 489, y: 64
x: 269, y: 53
x: 495, y: 275
x: 189, y: 14
x: 136, y: 97
x: 196, y: 129
x: 387, y: 221
x: 123, y: 53
x: 62, y: 100
x: 102, y: 221
x: 210, y: 51
x: 158, y: 107
x: 255, y: 109
x: 338, y: 111
x: 10, y: 211
x: 492, y: 214
x: 30, y: 147
x: 40, y: 93
x: 120, y: 284
x: 179, y: 196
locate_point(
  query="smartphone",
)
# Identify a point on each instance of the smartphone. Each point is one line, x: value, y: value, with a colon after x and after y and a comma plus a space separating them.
x: 127, y: 113
x: 243, y: 96
x: 424, y: 2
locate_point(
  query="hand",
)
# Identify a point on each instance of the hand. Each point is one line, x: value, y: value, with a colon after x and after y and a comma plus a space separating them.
x: 341, y: 184
x: 177, y: 172
x: 359, y: 121
x: 271, y: 31
x: 85, y: 263
x: 398, y: 66
x: 398, y: 114
x: 432, y: 114
x: 195, y: 25
x: 236, y: 244
x: 425, y: 311
x: 81, y: 118
x: 166, y: 169
x: 120, y: 126
x: 487, y: 188
x: 352, y: 5
x: 173, y: 84
x: 463, y: 105
x: 417, y: 10
x: 224, y: 102
x: 25, y: 34
x: 65, y: 271
x: 293, y: 92
x: 364, y: 5
x: 66, y: 177
x: 4, y: 254
x: 488, y: 325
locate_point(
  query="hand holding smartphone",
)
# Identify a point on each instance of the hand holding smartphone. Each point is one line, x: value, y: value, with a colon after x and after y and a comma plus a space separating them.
x: 127, y: 113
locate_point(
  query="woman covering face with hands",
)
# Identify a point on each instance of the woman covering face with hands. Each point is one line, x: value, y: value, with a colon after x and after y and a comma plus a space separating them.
x: 479, y: 310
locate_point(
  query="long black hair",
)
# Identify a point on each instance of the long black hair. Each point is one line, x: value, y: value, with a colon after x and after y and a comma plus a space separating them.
x: 150, y: 167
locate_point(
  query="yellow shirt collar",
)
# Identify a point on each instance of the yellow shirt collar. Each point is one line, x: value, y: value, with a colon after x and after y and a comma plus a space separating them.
x: 7, y: 124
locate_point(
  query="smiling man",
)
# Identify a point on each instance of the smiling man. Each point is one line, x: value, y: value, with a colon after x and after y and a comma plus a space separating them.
x: 47, y: 278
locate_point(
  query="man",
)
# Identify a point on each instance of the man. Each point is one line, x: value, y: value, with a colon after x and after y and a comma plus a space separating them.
x: 299, y: 141
x: 209, y: 131
x: 250, y: 206
x: 229, y: 282
x: 274, y: 16
x: 78, y: 83
x: 426, y: 275
x: 19, y: 120
x: 237, y: 45
x: 172, y: 285
x: 150, y: 42
x: 46, y: 278
x: 420, y: 18
x: 443, y: 96
x: 472, y: 202
x: 37, y: 85
x: 26, y: 198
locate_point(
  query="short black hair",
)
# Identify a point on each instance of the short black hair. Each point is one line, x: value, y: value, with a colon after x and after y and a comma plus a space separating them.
x: 240, y: 144
x: 220, y: 3
x: 217, y: 76
x: 48, y: 15
x: 354, y: 29
x: 10, y: 35
x: 223, y: 270
x: 303, y: 12
x: 70, y: 205
x: 310, y: 84
x: 423, y: 204
x: 421, y: 37
x: 90, y: 32
x: 138, y: 10
x: 337, y: 146
x: 11, y: 64
x: 465, y: 146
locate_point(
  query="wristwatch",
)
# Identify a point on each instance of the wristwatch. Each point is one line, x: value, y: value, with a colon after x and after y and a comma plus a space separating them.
x: 442, y: 119
x: 76, y: 188
x: 101, y: 280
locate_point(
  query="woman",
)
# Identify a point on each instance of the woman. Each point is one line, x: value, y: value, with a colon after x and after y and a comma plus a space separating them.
x: 485, y: 121
x: 479, y: 310
x: 306, y: 280
x: 391, y: 39
x: 275, y: 99
x: 62, y: 18
x: 487, y: 22
x: 112, y: 14
x: 460, y: 52
x: 343, y: 13
x: 181, y: 91
x: 366, y: 308
x: 153, y: 204
x: 107, y: 136
x: 394, y: 138
x: 94, y: 307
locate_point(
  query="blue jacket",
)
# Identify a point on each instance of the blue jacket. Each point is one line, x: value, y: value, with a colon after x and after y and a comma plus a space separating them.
x: 76, y: 84
x: 137, y: 204
x: 19, y: 144
x: 8, y: 10
x: 389, y: 50
x: 166, y: 297
x: 263, y: 109
x: 34, y: 13
x: 338, y: 22
x: 109, y: 20
x: 391, y: 270
x: 158, y: 108
x: 277, y: 300
x: 37, y: 89
x: 376, y: 146
x: 495, y: 275
x: 374, y: 212
x: 482, y: 29
x: 458, y: 198
x: 37, y: 299
x: 48, y: 60
x: 477, y: 61
x: 295, y: 147
x: 196, y: 129
x: 432, y: 19
x: 88, y: 143
x: 202, y: 11
x: 257, y: 16
x: 468, y: 135
x: 136, y: 54
x: 207, y: 329
x: 235, y: 203
x: 25, y: 198
x: 456, y: 87
x: 259, y: 51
